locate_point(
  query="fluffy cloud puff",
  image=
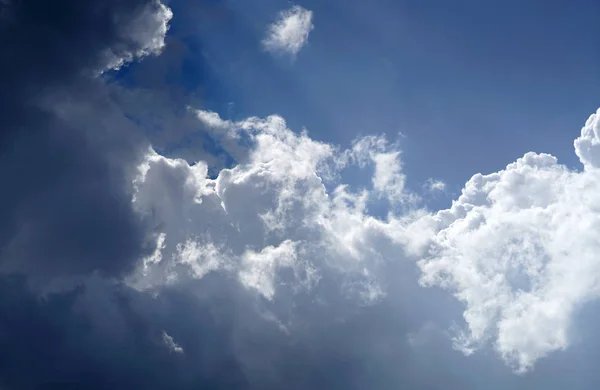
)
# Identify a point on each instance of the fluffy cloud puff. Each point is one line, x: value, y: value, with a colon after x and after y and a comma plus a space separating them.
x: 520, y: 249
x: 290, y: 32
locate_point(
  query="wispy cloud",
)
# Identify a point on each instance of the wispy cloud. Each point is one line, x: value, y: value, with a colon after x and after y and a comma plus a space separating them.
x: 434, y: 186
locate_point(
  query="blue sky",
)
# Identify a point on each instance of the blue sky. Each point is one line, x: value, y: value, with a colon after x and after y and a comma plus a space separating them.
x: 471, y: 86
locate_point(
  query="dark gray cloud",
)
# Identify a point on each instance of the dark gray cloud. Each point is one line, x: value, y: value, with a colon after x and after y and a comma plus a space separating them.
x: 90, y: 338
x: 66, y: 159
x: 64, y: 146
x: 102, y: 335
x: 106, y: 336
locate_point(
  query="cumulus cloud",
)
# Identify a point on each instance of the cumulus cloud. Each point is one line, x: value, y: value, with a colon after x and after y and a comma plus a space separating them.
x: 505, y: 247
x: 520, y: 249
x: 587, y: 145
x: 290, y: 32
x: 283, y: 222
x: 271, y: 212
x: 276, y: 249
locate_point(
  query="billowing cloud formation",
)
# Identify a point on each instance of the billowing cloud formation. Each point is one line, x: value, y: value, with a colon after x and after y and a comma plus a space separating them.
x: 506, y: 247
x: 520, y: 249
x: 290, y: 32
x: 270, y: 212
x: 587, y: 145
x: 279, y: 221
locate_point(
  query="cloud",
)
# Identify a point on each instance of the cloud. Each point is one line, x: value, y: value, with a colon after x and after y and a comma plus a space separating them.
x: 66, y: 149
x: 283, y: 223
x: 388, y: 179
x: 434, y: 186
x: 171, y: 344
x: 270, y: 215
x: 519, y: 249
x: 124, y: 267
x: 144, y: 34
x: 505, y: 247
x: 290, y: 32
x: 259, y: 269
x: 587, y: 146
x: 280, y: 256
x: 259, y: 254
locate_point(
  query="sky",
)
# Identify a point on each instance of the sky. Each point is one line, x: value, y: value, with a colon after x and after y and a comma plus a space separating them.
x: 317, y: 194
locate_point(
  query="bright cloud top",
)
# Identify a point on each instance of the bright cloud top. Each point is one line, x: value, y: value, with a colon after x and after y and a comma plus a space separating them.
x: 519, y: 247
x: 290, y: 32
x: 272, y: 213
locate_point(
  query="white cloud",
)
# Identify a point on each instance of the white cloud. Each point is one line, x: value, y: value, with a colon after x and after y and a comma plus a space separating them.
x: 388, y: 179
x: 520, y: 249
x: 587, y: 146
x: 433, y: 186
x: 270, y: 215
x: 259, y: 268
x: 290, y: 32
x: 201, y: 258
